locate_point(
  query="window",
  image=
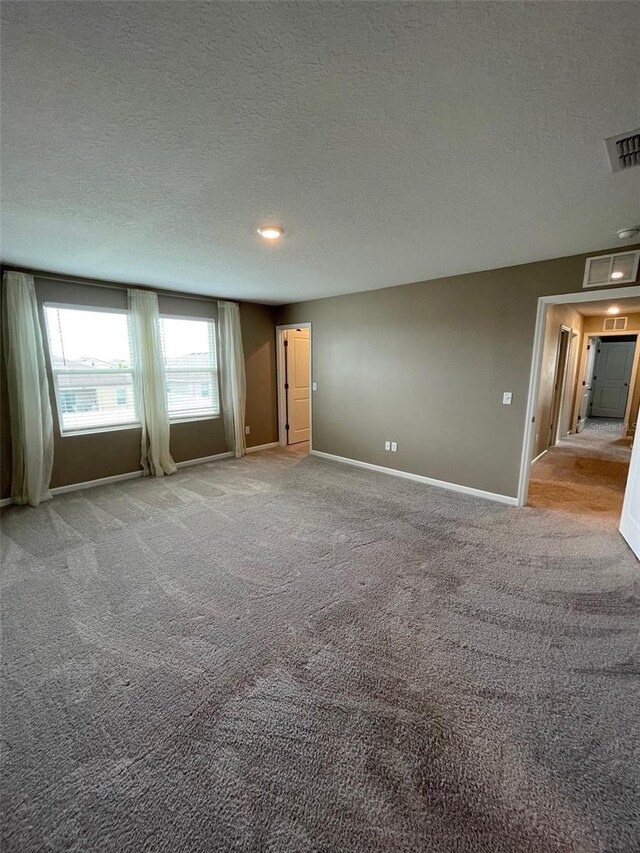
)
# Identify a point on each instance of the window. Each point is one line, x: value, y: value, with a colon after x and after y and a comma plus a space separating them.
x: 91, y: 361
x: 189, y: 350
x: 92, y: 368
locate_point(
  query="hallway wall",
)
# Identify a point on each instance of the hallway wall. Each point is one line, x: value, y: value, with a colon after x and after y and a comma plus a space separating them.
x: 557, y: 316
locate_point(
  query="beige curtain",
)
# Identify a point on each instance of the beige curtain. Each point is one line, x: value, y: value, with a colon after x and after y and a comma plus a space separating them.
x: 232, y: 376
x: 150, y: 382
x: 29, y: 405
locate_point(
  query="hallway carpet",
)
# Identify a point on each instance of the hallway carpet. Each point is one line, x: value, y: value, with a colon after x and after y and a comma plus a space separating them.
x: 585, y: 475
x: 280, y: 653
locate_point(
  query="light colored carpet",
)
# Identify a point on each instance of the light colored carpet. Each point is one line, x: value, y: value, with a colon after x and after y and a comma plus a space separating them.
x: 284, y: 654
x: 585, y: 475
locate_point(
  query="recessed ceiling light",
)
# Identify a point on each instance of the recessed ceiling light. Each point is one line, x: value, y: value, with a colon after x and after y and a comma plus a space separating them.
x: 629, y: 233
x: 270, y: 232
x: 613, y: 310
x: 617, y: 274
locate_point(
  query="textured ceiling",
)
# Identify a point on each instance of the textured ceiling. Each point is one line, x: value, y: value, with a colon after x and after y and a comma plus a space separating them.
x: 394, y: 142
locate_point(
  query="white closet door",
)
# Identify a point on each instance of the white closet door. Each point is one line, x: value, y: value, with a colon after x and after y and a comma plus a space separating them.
x: 630, y: 520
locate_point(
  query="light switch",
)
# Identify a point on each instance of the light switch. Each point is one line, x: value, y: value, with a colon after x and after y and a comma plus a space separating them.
x: 394, y: 446
x: 507, y: 397
x: 387, y: 445
x: 314, y: 386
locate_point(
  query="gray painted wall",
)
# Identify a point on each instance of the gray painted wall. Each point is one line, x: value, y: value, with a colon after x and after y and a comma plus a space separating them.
x: 425, y: 365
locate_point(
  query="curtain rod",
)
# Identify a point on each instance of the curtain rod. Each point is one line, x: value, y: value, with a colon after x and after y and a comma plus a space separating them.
x: 110, y: 285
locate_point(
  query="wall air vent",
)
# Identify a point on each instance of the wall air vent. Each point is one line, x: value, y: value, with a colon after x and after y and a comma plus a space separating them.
x: 621, y: 268
x: 614, y: 324
x: 624, y: 150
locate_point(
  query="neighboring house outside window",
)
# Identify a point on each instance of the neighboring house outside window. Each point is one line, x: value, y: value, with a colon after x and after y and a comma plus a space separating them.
x: 189, y: 349
x: 68, y: 401
x: 91, y: 361
x: 92, y: 368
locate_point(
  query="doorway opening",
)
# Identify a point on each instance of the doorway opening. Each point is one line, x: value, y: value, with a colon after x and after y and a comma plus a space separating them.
x: 578, y: 454
x: 294, y: 347
x: 612, y: 369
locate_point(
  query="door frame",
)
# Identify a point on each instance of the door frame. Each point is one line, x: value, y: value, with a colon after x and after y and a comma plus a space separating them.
x: 581, y: 378
x: 582, y: 363
x: 282, y: 411
x: 613, y: 293
x: 559, y: 384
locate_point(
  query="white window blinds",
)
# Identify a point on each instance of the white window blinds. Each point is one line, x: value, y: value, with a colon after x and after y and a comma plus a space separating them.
x: 189, y: 350
x: 91, y: 362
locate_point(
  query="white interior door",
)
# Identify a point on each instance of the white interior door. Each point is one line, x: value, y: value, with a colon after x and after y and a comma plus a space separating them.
x: 611, y: 377
x: 298, y: 380
x: 587, y: 384
x: 630, y: 519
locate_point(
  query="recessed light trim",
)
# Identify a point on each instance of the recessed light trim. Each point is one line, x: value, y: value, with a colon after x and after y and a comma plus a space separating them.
x: 270, y: 232
x: 629, y: 233
x: 613, y: 310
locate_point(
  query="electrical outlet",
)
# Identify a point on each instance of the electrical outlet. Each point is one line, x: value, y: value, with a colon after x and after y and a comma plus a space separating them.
x: 394, y: 446
x: 247, y: 430
x: 387, y: 445
x: 507, y: 397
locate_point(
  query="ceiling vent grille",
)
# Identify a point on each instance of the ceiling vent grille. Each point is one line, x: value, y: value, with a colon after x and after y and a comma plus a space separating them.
x: 624, y: 150
x: 614, y: 324
x: 621, y: 268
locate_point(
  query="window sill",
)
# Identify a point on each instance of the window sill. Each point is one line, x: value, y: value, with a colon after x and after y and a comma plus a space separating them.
x: 135, y: 425
x: 96, y: 430
x: 192, y: 418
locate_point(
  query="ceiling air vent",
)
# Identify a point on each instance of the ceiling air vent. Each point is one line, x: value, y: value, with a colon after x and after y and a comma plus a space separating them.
x: 614, y: 324
x: 621, y: 268
x: 624, y: 150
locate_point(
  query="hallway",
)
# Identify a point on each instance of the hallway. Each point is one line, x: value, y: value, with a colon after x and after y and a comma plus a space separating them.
x: 585, y: 474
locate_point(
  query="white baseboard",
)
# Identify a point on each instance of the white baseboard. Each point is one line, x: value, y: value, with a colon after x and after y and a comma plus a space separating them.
x: 116, y: 478
x: 263, y: 446
x: 540, y: 455
x: 441, y: 484
x: 89, y: 484
x: 203, y: 459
